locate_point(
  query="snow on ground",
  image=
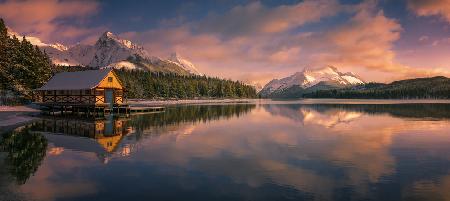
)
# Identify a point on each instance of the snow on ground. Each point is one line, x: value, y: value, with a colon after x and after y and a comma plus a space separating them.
x: 123, y: 65
x: 14, y: 115
x: 352, y: 80
x: 17, y: 109
x: 14, y: 119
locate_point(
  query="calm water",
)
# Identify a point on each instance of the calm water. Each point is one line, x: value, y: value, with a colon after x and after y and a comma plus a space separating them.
x: 264, y: 151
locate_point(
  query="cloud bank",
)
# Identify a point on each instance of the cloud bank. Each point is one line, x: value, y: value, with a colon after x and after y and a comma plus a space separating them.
x: 50, y: 20
x: 253, y: 42
x: 431, y: 7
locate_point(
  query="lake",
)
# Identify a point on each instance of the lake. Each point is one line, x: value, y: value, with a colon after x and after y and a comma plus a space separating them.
x: 266, y: 150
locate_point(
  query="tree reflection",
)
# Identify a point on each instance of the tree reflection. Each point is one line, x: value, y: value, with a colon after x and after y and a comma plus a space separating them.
x: 25, y: 152
x: 435, y: 111
x: 193, y: 113
x: 429, y: 111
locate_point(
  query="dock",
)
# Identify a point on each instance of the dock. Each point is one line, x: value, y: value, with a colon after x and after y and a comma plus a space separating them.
x: 146, y: 109
x: 97, y: 110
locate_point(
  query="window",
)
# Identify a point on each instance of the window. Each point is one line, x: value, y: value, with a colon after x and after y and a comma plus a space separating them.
x: 87, y: 92
x: 110, y: 79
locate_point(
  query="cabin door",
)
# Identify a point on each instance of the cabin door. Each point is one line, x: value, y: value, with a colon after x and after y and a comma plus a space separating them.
x: 109, y: 126
x: 109, y: 97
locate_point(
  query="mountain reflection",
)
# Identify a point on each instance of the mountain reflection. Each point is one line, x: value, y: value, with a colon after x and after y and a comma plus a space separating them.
x: 247, y: 152
x: 331, y: 114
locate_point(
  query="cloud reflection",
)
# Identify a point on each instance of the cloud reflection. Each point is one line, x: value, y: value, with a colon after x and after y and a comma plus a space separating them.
x: 316, y: 149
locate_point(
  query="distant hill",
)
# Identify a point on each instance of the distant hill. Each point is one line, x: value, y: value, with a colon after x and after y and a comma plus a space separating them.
x: 419, y: 88
x: 309, y: 81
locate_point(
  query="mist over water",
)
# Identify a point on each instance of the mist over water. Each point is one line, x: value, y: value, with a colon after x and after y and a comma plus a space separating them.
x: 264, y: 151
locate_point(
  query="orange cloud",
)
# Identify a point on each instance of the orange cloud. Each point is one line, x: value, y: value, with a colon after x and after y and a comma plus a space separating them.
x: 43, y: 18
x: 431, y: 8
x: 249, y: 39
x: 256, y: 39
x: 365, y: 44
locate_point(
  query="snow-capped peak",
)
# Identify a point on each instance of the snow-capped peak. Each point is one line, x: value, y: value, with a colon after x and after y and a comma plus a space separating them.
x: 109, y: 36
x: 59, y: 46
x: 110, y: 51
x: 183, y: 63
x: 310, y: 77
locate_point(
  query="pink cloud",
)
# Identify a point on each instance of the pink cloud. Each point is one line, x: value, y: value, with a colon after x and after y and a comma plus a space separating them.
x: 431, y: 8
x: 43, y: 18
x: 366, y: 40
x: 249, y: 39
x: 424, y: 38
x: 243, y: 45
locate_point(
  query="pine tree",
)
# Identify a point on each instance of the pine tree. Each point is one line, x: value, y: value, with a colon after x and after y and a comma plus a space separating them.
x: 23, y: 67
x: 160, y: 85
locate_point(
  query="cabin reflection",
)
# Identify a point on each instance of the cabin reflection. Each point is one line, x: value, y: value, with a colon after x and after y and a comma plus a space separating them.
x: 78, y: 134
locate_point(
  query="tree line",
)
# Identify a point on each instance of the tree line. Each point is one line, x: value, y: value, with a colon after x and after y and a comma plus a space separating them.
x: 23, y: 67
x: 419, y: 88
x: 153, y: 85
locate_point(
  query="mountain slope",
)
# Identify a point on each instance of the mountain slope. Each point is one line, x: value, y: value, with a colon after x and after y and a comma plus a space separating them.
x: 433, y: 87
x: 309, y: 80
x: 110, y: 51
x: 137, y: 62
x: 183, y: 63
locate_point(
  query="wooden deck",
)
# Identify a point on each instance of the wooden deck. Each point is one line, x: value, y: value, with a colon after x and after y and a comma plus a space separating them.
x: 146, y: 109
x: 94, y: 110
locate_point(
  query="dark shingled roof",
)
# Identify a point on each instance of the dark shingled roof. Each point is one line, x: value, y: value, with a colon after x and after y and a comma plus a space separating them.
x: 76, y: 80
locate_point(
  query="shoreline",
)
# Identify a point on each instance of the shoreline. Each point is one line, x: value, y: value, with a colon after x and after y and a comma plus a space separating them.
x: 14, y: 116
x: 150, y: 103
x: 143, y: 102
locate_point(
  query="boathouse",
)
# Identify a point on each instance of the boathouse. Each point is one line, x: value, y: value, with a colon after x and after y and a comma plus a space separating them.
x: 90, y: 89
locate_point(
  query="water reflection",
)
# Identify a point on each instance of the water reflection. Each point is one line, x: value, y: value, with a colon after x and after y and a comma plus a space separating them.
x: 248, y: 152
x: 99, y: 136
x: 335, y: 113
x: 24, y: 152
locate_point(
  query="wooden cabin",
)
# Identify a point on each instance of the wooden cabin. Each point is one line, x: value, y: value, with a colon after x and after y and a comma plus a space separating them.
x: 91, y: 88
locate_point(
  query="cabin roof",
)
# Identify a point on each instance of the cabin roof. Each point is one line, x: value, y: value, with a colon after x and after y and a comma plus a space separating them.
x: 88, y: 79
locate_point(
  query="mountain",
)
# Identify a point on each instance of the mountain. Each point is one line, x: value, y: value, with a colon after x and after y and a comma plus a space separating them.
x: 136, y: 62
x: 256, y: 85
x: 110, y: 51
x: 59, y: 46
x: 309, y: 80
x: 185, y: 64
x: 418, y: 88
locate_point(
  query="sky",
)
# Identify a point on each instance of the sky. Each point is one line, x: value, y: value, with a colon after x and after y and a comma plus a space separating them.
x: 256, y: 41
